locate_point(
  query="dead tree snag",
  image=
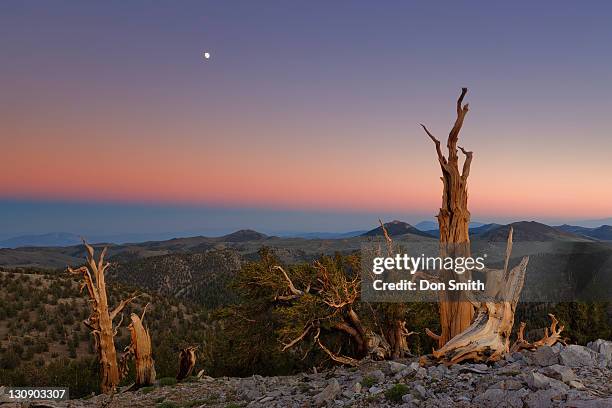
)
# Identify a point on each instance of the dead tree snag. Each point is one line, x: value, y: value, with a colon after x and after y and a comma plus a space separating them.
x: 139, y: 350
x: 456, y: 312
x: 488, y: 337
x: 100, y: 322
x: 187, y: 360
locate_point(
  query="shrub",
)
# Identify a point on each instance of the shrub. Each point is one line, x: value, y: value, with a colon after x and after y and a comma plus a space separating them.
x: 396, y: 392
x: 167, y: 381
x: 368, y: 381
x: 9, y: 361
x: 168, y: 404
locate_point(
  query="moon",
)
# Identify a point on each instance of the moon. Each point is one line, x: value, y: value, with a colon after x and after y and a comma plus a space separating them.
x: 206, y: 55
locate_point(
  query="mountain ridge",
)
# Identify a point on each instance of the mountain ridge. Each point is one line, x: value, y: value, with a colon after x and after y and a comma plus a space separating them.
x: 603, y: 232
x: 396, y: 228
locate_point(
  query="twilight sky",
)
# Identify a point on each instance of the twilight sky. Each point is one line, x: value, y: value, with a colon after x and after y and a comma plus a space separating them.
x: 305, y: 117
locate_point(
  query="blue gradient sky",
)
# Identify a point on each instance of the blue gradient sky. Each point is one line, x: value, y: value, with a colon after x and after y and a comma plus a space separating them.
x: 305, y: 118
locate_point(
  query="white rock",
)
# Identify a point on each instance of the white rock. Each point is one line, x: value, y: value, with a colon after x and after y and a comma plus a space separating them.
x: 421, y: 391
x: 375, y: 390
x: 545, y: 356
x: 328, y: 394
x: 577, y: 356
x: 395, y: 367
x: 576, y: 384
x: 559, y: 372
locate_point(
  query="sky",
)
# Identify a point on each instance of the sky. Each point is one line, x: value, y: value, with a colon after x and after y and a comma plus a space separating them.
x: 305, y: 118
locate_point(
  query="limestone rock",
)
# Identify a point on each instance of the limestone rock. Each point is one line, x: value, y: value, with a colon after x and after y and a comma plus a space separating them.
x: 328, y: 394
x: 559, y: 372
x: 577, y: 356
x: 545, y: 356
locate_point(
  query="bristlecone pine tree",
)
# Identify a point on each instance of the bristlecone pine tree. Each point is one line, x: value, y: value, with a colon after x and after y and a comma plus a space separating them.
x: 316, y: 309
x: 456, y: 312
x: 321, y: 308
x: 187, y: 360
x: 140, y: 350
x: 100, y: 322
x: 486, y: 336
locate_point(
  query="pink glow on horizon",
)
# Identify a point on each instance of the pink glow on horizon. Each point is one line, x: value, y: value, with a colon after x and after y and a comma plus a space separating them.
x: 288, y: 163
x: 263, y: 178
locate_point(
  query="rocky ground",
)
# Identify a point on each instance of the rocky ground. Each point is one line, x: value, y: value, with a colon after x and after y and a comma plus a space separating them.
x: 559, y: 376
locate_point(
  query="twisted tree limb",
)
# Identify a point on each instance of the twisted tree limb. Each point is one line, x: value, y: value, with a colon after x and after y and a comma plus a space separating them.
x: 549, y: 338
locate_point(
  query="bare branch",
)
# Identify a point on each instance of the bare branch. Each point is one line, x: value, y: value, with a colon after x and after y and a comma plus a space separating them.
x: 337, y: 295
x: 550, y: 338
x: 432, y: 334
x: 467, y: 163
x: 460, y: 101
x: 144, y: 311
x: 294, y: 291
x: 101, y: 265
x: 453, y: 136
x: 116, y: 329
x: 299, y: 338
x: 441, y: 157
x: 388, y: 239
x: 121, y: 305
x: 337, y: 358
x: 89, y: 248
x: 521, y: 343
x: 87, y: 282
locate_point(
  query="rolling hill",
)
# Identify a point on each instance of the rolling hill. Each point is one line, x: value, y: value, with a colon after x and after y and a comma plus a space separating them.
x: 42, y: 240
x: 603, y: 232
x: 396, y: 228
x: 526, y: 231
x: 244, y: 242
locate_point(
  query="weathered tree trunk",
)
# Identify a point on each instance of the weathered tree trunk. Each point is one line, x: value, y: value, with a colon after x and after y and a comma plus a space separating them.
x: 109, y: 370
x: 187, y: 360
x: 100, y: 322
x: 141, y: 347
x: 396, y: 333
x: 456, y: 312
x: 488, y: 337
x: 399, y: 336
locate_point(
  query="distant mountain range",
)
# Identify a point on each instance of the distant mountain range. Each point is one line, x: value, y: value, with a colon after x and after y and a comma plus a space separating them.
x: 523, y: 230
x: 603, y: 232
x: 323, y: 235
x: 42, y: 240
x: 396, y: 228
